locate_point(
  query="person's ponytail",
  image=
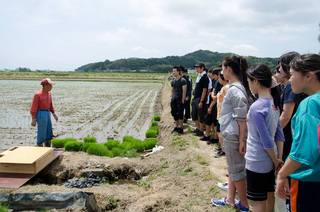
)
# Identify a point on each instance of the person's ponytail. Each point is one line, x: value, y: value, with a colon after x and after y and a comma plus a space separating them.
x: 263, y: 75
x: 239, y: 68
x: 243, y: 76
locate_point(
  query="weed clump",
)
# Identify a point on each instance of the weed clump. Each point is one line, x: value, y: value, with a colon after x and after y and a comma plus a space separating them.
x: 112, y: 203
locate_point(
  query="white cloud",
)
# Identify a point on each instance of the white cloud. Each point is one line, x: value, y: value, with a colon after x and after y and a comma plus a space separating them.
x: 245, y: 49
x: 64, y: 34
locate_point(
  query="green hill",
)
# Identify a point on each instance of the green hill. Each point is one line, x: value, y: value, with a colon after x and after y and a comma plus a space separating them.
x: 164, y: 64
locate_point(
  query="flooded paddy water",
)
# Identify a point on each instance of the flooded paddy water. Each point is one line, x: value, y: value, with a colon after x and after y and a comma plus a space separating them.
x: 101, y: 109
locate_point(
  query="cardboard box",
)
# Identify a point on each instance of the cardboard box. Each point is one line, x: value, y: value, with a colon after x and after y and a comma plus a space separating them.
x: 26, y: 160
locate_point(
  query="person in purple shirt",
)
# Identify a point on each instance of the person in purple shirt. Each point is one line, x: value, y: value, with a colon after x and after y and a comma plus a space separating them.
x: 264, y: 142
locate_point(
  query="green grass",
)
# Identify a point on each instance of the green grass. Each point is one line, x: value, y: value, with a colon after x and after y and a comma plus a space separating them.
x: 73, y: 146
x: 90, y: 139
x: 179, y: 142
x: 112, y: 203
x: 144, y: 183
x: 65, y: 75
x: 202, y: 161
x: 186, y: 171
x: 207, y: 176
x: 3, y: 208
x: 60, y: 142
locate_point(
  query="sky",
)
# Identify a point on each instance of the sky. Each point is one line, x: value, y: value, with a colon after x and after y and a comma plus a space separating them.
x: 65, y: 34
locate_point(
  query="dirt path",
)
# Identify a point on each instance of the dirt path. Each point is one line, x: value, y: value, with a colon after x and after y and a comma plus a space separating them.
x: 182, y: 177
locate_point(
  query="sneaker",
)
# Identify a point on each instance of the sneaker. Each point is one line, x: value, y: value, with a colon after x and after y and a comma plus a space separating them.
x: 220, y: 154
x: 195, y: 131
x: 219, y: 202
x: 205, y: 138
x: 214, y: 141
x: 218, y: 149
x: 175, y: 130
x: 180, y: 131
x: 223, y: 186
x: 241, y: 208
x: 199, y: 134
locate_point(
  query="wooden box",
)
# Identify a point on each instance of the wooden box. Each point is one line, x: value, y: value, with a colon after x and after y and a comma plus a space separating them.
x: 26, y: 160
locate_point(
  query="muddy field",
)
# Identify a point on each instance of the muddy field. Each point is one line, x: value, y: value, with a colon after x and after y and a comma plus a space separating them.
x: 181, y: 177
x: 102, y: 109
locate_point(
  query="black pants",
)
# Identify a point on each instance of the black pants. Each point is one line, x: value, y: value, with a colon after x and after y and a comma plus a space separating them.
x: 187, y: 109
x: 176, y: 109
x: 304, y: 196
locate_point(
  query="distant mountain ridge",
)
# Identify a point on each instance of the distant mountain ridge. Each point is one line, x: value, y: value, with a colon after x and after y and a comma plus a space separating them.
x: 164, y: 64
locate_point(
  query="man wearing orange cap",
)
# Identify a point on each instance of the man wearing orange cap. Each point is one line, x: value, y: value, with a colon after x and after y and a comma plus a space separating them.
x: 40, y: 111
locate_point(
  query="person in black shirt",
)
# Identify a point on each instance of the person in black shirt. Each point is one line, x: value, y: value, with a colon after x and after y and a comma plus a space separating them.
x: 178, y: 98
x: 199, y: 99
x: 211, y: 115
x: 187, y: 105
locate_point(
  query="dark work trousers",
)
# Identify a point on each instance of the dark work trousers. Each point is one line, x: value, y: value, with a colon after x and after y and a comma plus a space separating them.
x: 187, y: 109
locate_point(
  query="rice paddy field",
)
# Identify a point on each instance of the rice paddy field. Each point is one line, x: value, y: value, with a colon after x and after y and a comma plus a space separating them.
x: 104, y: 109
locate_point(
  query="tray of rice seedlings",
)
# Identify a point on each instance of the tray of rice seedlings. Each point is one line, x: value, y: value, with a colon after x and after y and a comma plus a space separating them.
x: 156, y: 118
x: 155, y: 128
x: 110, y: 144
x: 149, y: 143
x: 130, y: 143
x: 99, y: 149
x: 152, y: 132
x: 73, y: 146
x: 60, y: 142
x: 154, y: 123
x: 89, y: 139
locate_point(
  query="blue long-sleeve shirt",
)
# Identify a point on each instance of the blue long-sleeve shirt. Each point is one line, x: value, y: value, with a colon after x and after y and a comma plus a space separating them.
x: 263, y: 133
